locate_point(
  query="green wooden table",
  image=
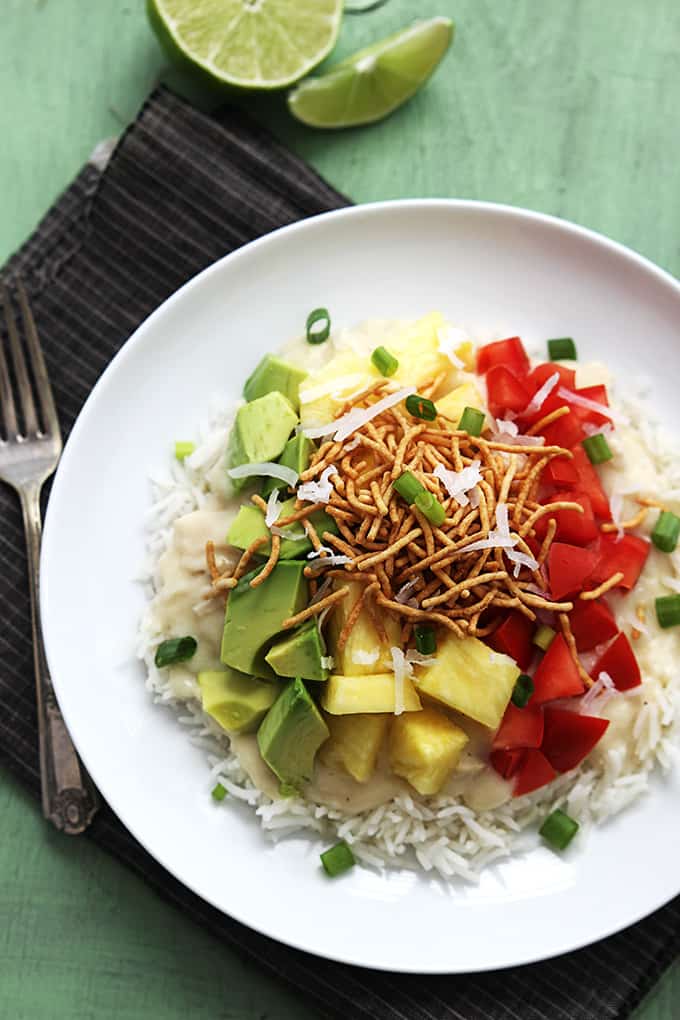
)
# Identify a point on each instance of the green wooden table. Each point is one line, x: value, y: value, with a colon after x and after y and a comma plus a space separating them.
x: 566, y: 106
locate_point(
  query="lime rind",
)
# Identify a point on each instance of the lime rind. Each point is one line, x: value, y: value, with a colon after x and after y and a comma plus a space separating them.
x: 248, y: 44
x: 374, y: 82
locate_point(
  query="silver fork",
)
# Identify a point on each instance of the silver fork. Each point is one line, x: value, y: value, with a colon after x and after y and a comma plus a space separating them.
x: 28, y: 456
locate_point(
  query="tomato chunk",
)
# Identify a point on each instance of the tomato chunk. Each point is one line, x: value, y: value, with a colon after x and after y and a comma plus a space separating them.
x: 545, y: 370
x: 505, y: 391
x: 568, y: 568
x: 599, y: 395
x: 561, y: 473
x: 513, y: 638
x: 534, y: 772
x: 568, y: 737
x: 589, y: 482
x: 591, y: 624
x: 557, y: 675
x: 521, y: 727
x: 508, y: 352
x: 620, y: 663
x: 572, y: 527
x: 627, y: 555
x: 506, y: 763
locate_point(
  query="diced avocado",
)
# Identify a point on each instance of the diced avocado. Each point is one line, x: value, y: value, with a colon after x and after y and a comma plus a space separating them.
x: 296, y: 454
x: 275, y: 374
x: 470, y: 678
x: 237, y: 702
x: 425, y: 748
x: 350, y: 695
x: 355, y: 743
x: 260, y: 432
x: 249, y: 524
x: 254, y: 616
x: 300, y: 654
x: 291, y: 733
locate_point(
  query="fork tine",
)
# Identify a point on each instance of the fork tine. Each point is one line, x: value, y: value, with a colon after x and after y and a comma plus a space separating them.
x: 9, y: 414
x: 20, y: 371
x: 42, y: 380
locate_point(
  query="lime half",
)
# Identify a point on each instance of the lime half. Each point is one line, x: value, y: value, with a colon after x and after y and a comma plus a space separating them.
x: 255, y: 44
x: 375, y: 81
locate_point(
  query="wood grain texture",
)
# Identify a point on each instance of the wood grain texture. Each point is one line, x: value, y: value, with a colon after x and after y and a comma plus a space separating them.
x: 569, y: 108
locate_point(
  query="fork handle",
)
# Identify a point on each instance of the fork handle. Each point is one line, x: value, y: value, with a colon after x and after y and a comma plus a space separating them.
x: 69, y: 797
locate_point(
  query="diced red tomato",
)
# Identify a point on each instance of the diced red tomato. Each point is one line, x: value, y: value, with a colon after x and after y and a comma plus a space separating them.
x: 620, y: 663
x: 566, y: 431
x: 568, y: 737
x: 513, y: 638
x: 544, y: 371
x: 509, y: 353
x: 506, y: 763
x: 627, y: 555
x: 521, y: 727
x: 534, y: 772
x: 561, y: 472
x: 589, y: 482
x: 505, y: 391
x: 599, y: 395
x: 592, y: 623
x: 572, y: 526
x: 568, y: 568
x: 557, y: 675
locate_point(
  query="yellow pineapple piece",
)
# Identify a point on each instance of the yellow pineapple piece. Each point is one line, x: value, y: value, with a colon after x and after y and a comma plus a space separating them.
x: 471, y: 678
x: 455, y: 402
x: 364, y: 651
x: 416, y: 348
x: 425, y: 748
x: 355, y: 743
x: 466, y: 353
x: 352, y: 695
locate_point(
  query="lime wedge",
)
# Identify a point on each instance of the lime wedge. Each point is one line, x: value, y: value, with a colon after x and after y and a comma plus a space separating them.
x: 375, y: 81
x: 254, y: 44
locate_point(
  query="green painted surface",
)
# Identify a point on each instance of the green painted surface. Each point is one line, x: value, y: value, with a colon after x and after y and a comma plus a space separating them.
x: 567, y: 107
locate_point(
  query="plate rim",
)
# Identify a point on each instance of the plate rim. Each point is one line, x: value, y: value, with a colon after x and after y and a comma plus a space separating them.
x: 513, y: 213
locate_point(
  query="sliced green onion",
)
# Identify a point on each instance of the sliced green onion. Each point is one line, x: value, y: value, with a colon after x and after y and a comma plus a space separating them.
x: 421, y: 407
x: 408, y: 487
x: 218, y: 792
x: 559, y: 829
x: 426, y: 639
x: 562, y: 349
x: 431, y: 507
x: 322, y: 332
x: 338, y: 859
x: 183, y: 449
x: 385, y: 362
x: 597, y: 449
x: 472, y: 421
x: 544, y: 637
x: 668, y: 610
x: 666, y: 531
x: 176, y: 649
x: 524, y: 688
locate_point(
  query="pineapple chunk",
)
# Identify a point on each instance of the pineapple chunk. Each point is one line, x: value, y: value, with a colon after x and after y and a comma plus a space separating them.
x: 425, y: 748
x: 471, y: 678
x: 415, y: 346
x: 466, y: 353
x: 352, y: 695
x: 364, y: 641
x: 455, y: 402
x: 355, y: 743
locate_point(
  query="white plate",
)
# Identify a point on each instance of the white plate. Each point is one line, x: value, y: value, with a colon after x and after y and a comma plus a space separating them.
x: 492, y: 268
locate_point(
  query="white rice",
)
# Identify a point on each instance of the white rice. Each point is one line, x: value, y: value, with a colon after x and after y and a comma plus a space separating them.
x: 441, y: 834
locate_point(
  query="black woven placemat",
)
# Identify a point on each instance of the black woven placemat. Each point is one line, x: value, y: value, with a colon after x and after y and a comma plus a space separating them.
x: 181, y: 190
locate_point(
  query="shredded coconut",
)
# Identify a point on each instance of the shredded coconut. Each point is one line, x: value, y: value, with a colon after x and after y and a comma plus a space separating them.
x: 536, y: 402
x: 318, y: 492
x: 267, y: 469
x: 459, y: 483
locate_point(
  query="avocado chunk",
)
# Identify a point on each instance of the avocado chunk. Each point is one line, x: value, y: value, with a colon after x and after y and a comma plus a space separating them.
x: 291, y: 733
x: 260, y: 432
x: 300, y: 654
x: 296, y: 454
x: 249, y: 524
x: 237, y: 702
x: 275, y: 374
x: 254, y: 616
